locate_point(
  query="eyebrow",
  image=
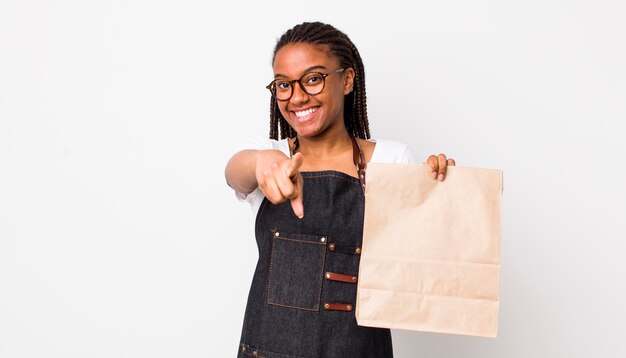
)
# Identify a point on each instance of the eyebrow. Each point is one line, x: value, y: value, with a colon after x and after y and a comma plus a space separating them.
x: 305, y: 71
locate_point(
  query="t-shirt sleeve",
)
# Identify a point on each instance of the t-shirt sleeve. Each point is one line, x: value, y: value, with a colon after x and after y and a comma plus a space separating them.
x: 392, y: 152
x: 406, y: 157
x: 258, y: 143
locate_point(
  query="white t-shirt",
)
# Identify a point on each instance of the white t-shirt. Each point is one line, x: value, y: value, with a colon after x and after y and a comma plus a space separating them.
x: 385, y: 151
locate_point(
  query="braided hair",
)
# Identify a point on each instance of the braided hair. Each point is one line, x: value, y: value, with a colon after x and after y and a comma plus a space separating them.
x: 340, y: 46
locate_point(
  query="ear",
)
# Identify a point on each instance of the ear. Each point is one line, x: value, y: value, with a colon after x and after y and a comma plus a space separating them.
x: 349, y: 80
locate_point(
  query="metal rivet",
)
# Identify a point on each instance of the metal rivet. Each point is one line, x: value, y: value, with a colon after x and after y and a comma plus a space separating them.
x: 331, y: 247
x: 349, y: 307
x: 326, y: 306
x: 358, y: 250
x: 323, y: 239
x: 276, y: 234
x: 353, y: 278
x: 327, y: 275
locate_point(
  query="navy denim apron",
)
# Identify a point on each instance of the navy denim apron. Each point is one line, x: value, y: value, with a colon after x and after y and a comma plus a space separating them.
x: 301, y: 303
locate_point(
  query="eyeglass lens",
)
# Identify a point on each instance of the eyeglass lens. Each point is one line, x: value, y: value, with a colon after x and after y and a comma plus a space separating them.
x: 311, y: 83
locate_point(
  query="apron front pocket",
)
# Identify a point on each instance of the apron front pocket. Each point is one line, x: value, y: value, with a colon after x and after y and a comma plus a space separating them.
x: 296, y: 270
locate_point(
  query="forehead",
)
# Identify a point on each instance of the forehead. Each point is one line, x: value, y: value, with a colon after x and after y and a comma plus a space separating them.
x: 294, y: 59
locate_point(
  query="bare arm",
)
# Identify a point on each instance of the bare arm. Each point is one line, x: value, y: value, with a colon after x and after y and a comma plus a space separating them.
x: 241, y: 171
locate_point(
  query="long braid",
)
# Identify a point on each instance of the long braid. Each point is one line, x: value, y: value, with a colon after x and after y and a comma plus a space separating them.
x: 273, y: 121
x: 355, y: 106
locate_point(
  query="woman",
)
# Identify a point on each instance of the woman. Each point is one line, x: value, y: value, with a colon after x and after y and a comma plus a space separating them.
x: 307, y: 192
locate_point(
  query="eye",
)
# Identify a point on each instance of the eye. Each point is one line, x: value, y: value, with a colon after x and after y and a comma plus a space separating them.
x: 282, y: 85
x: 313, y: 79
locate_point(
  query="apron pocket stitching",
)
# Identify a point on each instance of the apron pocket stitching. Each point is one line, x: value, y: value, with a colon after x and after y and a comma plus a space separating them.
x: 290, y: 275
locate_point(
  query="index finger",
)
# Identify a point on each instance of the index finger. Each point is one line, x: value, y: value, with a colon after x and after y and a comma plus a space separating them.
x: 443, y: 165
x: 296, y: 200
x: 434, y: 165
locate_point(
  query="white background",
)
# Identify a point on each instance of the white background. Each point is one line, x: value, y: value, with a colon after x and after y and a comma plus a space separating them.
x: 120, y: 238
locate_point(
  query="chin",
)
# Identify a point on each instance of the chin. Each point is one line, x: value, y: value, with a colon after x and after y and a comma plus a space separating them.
x: 306, y: 131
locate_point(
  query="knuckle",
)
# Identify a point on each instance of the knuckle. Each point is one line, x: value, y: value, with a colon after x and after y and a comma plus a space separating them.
x: 275, y: 199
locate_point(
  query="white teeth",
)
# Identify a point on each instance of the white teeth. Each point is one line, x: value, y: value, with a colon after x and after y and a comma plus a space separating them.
x: 306, y: 112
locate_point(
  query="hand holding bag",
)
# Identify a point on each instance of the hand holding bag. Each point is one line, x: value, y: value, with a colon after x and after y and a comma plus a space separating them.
x: 431, y: 250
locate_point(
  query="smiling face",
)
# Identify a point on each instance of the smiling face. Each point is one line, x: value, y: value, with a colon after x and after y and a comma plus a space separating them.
x: 312, y: 115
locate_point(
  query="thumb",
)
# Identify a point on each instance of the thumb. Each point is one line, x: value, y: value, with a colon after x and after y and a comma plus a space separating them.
x: 296, y: 200
x: 294, y: 165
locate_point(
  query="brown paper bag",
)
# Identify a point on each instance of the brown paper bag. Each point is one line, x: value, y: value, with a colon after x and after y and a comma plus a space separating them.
x: 431, y: 250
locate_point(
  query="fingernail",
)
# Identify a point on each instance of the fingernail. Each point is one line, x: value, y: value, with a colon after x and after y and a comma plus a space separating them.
x: 301, y: 216
x: 434, y: 175
x: 441, y: 177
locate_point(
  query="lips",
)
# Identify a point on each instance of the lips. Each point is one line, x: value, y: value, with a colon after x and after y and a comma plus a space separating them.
x: 306, y: 112
x: 305, y: 115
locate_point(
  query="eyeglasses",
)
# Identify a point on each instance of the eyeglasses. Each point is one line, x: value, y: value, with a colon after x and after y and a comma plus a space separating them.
x: 312, y: 83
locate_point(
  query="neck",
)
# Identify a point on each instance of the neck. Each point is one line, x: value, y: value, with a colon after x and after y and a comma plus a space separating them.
x: 329, y: 145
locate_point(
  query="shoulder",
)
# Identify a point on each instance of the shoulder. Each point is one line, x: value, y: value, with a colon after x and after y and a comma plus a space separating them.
x: 390, y: 151
x: 263, y: 143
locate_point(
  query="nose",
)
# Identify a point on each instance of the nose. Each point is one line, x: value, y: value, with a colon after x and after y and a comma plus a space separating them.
x: 299, y: 96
